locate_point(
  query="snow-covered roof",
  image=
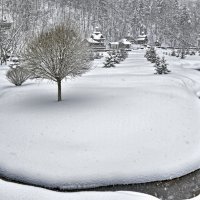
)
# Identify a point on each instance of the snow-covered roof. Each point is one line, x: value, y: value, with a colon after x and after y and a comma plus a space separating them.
x: 97, y: 36
x: 90, y: 40
x: 142, y: 36
x: 141, y: 39
x: 125, y: 41
x: 114, y: 43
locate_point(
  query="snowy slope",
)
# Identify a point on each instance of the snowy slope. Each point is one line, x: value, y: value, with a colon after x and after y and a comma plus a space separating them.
x: 115, y: 126
x: 10, y: 191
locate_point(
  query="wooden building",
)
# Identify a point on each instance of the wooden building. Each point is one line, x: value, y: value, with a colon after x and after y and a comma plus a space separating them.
x: 142, y: 39
x: 96, y: 41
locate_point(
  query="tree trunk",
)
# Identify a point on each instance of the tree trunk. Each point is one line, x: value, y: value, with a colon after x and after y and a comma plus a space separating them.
x: 59, y: 90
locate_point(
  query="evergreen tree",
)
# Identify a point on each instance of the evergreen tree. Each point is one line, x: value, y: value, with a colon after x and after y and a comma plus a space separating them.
x: 158, y: 65
x: 151, y: 55
x: 109, y: 61
x: 116, y: 59
x: 124, y: 54
x: 161, y: 66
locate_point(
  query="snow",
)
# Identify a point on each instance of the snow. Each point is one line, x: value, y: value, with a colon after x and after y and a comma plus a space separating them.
x: 114, y: 43
x: 97, y: 36
x: 141, y: 37
x: 10, y: 191
x: 90, y: 40
x: 115, y: 126
x: 196, y: 198
x: 125, y: 41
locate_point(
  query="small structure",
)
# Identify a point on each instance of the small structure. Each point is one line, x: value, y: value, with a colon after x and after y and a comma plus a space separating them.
x: 124, y: 44
x: 142, y: 39
x: 131, y: 39
x: 114, y: 45
x: 96, y: 41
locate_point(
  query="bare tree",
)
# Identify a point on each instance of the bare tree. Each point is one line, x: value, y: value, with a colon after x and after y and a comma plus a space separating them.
x: 56, y: 54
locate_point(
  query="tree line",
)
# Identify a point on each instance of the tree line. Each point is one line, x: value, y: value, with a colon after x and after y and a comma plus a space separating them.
x: 173, y: 22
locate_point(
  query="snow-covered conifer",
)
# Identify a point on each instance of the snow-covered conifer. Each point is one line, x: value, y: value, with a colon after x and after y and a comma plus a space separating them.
x: 161, y: 66
x: 110, y: 61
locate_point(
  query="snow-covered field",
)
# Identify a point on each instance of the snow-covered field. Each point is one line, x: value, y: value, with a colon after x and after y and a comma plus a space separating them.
x: 115, y: 126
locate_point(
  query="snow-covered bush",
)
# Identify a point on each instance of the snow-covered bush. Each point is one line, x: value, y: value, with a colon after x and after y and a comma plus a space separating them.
x: 147, y: 54
x: 183, y: 54
x: 151, y: 55
x: 110, y: 61
x: 187, y: 52
x: 123, y: 54
x: 97, y: 55
x: 161, y: 66
x: 173, y: 53
x: 17, y: 75
x: 192, y: 53
x: 116, y: 58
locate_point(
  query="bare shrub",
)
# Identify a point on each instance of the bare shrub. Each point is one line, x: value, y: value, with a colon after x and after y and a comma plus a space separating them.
x: 17, y: 75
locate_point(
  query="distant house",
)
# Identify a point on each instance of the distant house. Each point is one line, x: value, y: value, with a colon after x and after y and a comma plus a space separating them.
x: 131, y: 39
x: 96, y: 41
x: 124, y: 43
x: 142, y: 39
x: 114, y: 45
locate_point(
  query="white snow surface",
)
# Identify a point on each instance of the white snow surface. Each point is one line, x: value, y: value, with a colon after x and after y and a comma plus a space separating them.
x: 10, y: 191
x: 196, y: 198
x: 115, y: 126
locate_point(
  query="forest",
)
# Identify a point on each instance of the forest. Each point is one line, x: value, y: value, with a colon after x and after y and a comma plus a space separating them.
x: 171, y: 22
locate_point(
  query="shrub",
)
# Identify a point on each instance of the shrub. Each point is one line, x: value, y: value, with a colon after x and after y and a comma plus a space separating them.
x: 123, y: 54
x: 183, y: 54
x: 173, y: 53
x: 17, y: 75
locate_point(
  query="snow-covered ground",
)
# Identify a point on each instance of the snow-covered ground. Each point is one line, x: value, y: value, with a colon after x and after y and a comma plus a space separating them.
x: 115, y: 126
x: 10, y: 191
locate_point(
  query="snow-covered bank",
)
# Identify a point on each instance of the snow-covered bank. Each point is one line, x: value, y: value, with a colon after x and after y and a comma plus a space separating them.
x: 115, y: 126
x: 10, y: 191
